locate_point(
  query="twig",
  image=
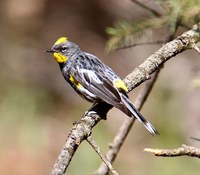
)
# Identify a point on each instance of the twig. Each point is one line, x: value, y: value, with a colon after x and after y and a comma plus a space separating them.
x: 143, y: 43
x: 82, y: 129
x: 126, y: 126
x: 194, y: 138
x: 182, y: 151
x: 101, y: 155
x: 196, y: 48
x: 154, y: 12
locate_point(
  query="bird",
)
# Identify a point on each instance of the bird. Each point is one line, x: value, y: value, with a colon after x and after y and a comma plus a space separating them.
x: 93, y: 80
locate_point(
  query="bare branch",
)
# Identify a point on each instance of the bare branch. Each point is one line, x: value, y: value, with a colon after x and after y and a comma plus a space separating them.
x: 194, y: 138
x: 182, y: 151
x: 101, y: 155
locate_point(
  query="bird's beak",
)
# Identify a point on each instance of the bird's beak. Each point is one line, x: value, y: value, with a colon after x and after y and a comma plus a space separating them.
x: 50, y: 51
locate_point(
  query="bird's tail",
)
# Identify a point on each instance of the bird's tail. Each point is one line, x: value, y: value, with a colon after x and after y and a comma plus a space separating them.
x: 138, y: 116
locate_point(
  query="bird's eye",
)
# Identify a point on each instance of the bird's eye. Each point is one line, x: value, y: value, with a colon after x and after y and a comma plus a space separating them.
x: 63, y: 49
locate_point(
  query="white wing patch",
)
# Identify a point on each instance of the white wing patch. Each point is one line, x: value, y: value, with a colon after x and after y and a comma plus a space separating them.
x: 89, y: 76
x: 87, y: 93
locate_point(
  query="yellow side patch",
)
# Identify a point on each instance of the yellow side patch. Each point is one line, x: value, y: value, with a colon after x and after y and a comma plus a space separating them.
x: 71, y: 79
x: 61, y: 40
x: 60, y: 58
x: 79, y: 86
x: 119, y: 84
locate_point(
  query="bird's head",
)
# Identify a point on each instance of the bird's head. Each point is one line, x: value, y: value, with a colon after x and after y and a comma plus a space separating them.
x: 63, y: 49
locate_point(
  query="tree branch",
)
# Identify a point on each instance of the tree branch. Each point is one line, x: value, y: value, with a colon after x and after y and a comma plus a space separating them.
x: 167, y: 51
x: 102, y: 156
x: 182, y: 151
x: 82, y: 129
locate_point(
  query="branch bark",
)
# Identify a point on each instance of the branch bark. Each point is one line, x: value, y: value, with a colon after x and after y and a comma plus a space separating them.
x: 83, y: 128
x: 182, y: 151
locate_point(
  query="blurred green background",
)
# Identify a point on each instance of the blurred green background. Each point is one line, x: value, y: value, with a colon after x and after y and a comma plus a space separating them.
x: 37, y: 107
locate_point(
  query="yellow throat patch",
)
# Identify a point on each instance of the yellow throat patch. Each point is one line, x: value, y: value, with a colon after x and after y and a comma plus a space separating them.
x: 61, y: 40
x: 60, y: 58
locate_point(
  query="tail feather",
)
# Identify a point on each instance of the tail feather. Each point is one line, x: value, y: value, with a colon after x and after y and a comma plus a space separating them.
x: 138, y: 116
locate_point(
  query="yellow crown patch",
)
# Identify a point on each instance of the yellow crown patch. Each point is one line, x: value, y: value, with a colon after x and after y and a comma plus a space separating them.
x: 61, y: 40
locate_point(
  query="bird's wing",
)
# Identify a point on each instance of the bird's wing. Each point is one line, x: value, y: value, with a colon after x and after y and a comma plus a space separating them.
x: 99, y: 85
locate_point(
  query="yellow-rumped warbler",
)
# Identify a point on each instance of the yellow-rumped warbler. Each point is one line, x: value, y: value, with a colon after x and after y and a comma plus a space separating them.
x: 93, y: 80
